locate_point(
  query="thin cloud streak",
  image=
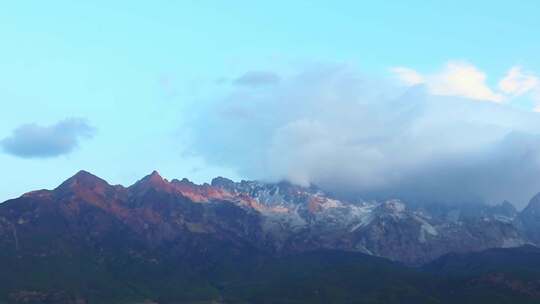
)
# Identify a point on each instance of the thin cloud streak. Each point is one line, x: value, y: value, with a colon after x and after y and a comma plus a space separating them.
x: 257, y: 79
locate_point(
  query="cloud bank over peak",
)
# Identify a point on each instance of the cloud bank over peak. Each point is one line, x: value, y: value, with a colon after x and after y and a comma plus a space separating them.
x: 35, y: 141
x: 352, y: 134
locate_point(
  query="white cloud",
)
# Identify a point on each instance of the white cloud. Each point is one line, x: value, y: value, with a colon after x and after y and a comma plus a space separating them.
x: 517, y: 83
x: 465, y: 80
x: 456, y: 79
x: 408, y: 76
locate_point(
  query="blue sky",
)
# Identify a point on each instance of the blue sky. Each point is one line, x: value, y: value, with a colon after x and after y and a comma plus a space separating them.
x: 139, y: 74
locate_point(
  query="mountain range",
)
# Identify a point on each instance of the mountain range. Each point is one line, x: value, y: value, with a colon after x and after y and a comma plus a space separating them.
x: 162, y: 241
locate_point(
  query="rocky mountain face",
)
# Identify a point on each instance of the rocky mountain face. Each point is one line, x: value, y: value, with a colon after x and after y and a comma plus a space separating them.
x: 300, y: 219
x: 193, y: 221
x: 529, y: 220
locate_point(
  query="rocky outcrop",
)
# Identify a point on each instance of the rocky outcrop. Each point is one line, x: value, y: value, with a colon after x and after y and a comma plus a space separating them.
x: 529, y: 219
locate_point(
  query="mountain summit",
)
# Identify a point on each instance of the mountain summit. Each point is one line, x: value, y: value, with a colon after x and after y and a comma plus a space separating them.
x: 152, y: 181
x: 83, y: 179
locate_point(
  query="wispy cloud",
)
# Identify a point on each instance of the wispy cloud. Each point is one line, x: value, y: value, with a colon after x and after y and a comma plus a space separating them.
x: 35, y: 141
x: 408, y: 76
x: 517, y: 83
x: 257, y: 79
